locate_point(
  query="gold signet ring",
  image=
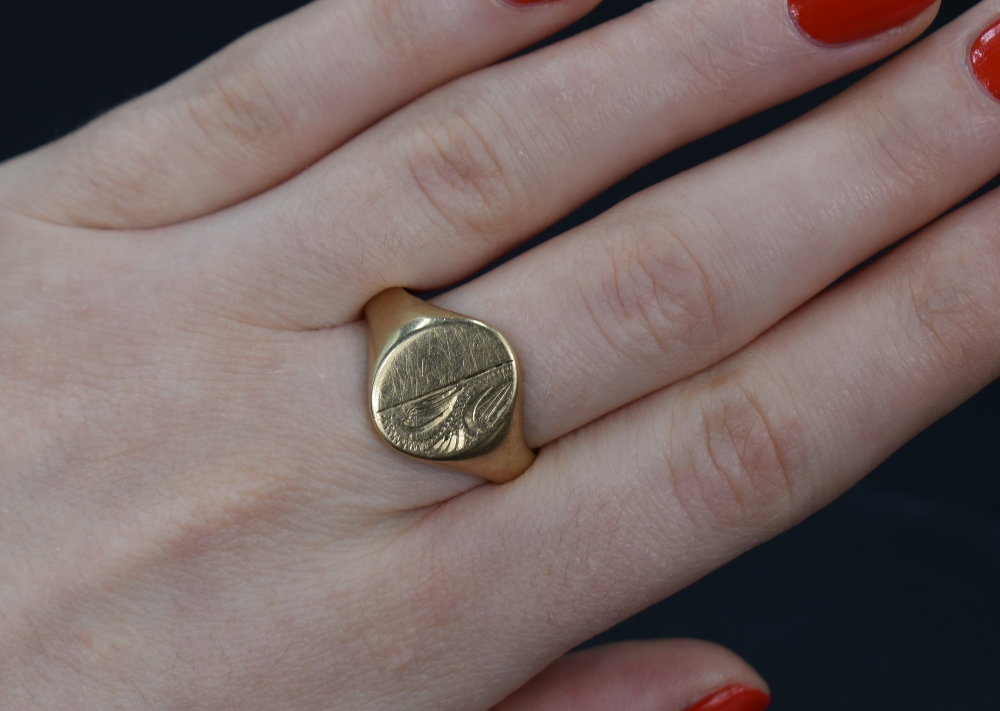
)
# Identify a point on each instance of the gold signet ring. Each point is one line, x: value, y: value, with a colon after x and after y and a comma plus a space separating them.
x: 445, y: 388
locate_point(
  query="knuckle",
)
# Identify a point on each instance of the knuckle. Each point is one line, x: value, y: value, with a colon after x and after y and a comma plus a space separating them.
x: 653, y: 297
x: 948, y: 321
x: 901, y: 153
x: 709, y: 54
x: 236, y: 109
x: 704, y: 49
x: 740, y: 465
x: 398, y: 26
x: 454, y: 162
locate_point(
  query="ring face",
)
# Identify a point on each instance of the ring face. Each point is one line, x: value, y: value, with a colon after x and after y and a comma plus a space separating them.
x: 445, y: 389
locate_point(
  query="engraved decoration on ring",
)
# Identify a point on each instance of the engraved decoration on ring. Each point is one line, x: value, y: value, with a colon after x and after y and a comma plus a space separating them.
x: 446, y: 390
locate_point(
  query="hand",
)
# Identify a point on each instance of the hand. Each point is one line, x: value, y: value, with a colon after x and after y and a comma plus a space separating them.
x: 198, y: 515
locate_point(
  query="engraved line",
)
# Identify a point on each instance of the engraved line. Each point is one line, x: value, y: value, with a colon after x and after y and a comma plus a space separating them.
x: 445, y: 387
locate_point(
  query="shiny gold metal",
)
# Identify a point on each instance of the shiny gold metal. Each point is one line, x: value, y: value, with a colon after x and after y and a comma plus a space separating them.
x: 445, y: 388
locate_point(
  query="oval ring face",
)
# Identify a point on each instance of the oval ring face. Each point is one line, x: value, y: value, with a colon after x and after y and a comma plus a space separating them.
x: 446, y: 391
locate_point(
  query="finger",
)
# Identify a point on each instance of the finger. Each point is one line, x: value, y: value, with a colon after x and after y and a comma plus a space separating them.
x: 643, y: 502
x: 267, y: 107
x: 452, y: 182
x: 661, y: 675
x: 688, y: 272
x: 731, y: 457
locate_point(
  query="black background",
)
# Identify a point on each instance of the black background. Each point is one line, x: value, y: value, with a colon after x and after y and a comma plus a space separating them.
x: 886, y: 600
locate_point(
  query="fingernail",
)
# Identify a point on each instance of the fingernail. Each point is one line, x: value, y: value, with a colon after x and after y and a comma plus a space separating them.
x: 985, y: 60
x: 734, y: 698
x: 840, y: 21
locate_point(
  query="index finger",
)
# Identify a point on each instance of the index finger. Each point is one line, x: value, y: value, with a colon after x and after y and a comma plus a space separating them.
x: 267, y: 107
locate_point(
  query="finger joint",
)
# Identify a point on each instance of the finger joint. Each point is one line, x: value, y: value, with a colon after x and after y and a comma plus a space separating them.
x: 654, y: 299
x: 743, y: 468
x: 455, y: 163
x: 236, y: 109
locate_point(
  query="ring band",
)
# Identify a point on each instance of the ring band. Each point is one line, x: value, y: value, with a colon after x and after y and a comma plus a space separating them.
x: 445, y: 388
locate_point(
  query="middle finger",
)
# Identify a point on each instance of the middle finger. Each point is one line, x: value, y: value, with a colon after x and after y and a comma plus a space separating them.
x: 675, y: 279
x: 450, y: 183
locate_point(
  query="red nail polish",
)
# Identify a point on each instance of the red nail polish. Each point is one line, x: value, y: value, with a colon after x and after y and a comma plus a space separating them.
x: 840, y: 21
x: 734, y: 698
x: 985, y: 59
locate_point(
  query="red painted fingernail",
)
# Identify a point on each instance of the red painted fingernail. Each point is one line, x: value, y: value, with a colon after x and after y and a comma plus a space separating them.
x: 734, y: 698
x: 840, y: 21
x: 985, y: 59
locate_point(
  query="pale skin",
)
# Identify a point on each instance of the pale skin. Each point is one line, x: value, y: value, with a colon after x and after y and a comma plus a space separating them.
x: 196, y: 513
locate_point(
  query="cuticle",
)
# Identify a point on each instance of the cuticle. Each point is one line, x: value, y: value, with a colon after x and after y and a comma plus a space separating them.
x: 801, y: 32
x: 528, y: 7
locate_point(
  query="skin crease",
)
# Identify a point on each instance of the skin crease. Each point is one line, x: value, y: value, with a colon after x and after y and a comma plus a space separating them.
x: 196, y: 513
